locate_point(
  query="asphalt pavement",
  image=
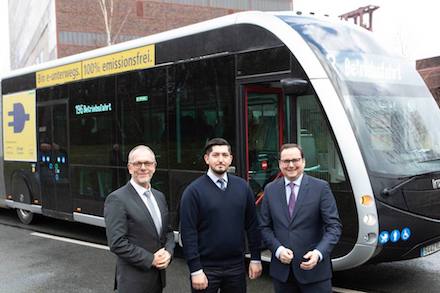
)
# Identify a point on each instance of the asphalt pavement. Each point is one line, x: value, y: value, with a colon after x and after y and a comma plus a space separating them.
x: 79, y: 262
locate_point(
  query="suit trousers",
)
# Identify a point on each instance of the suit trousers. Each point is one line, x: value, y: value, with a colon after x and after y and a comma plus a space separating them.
x: 140, y: 283
x: 292, y: 286
x: 229, y: 279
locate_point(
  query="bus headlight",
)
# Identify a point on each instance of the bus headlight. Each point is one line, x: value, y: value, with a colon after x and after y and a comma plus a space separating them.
x: 370, y: 219
x: 370, y: 237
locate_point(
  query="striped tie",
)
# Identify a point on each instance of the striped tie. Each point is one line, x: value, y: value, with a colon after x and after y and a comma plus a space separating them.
x: 222, y: 184
x: 292, y: 199
x: 151, y: 207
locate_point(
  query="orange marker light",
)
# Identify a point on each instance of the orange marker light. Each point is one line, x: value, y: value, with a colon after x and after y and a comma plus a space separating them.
x: 367, y: 200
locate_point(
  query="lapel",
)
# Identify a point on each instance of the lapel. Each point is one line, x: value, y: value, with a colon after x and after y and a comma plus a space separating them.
x: 302, y: 193
x: 281, y: 199
x: 142, y: 207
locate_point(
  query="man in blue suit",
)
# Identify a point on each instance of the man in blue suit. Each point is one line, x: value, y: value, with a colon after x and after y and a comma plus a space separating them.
x: 300, y: 225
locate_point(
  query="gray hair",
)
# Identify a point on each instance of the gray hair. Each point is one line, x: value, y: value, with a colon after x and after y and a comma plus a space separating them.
x: 139, y: 147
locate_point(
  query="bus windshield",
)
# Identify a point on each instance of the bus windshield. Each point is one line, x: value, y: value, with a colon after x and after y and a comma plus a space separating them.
x: 389, y: 106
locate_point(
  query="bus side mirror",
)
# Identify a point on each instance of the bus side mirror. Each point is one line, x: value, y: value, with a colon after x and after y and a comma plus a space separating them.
x: 294, y: 86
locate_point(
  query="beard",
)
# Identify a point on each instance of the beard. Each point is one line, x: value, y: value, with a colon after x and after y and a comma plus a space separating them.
x: 143, y: 181
x: 219, y: 171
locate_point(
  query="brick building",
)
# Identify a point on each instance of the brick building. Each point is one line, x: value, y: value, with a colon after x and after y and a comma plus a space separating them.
x: 429, y: 69
x: 42, y: 30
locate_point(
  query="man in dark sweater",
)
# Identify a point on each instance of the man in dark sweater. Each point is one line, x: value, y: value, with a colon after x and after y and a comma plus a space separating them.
x: 216, y: 211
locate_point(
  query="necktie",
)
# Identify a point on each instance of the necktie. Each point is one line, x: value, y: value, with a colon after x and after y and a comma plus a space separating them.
x: 222, y: 184
x: 151, y: 207
x: 292, y: 199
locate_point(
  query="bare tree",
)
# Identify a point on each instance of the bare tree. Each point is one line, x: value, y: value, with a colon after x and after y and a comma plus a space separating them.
x: 107, y: 12
x: 401, y: 40
x: 107, y: 9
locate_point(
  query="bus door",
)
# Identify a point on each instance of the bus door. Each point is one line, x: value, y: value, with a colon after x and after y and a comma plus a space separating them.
x: 264, y: 132
x: 53, y: 161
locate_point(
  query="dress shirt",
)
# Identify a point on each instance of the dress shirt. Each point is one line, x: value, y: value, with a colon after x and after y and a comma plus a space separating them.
x: 289, y: 190
x: 140, y: 191
x: 215, y: 178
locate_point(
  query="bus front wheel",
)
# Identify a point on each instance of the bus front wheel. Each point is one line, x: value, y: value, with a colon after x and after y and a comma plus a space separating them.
x: 20, y: 189
x: 25, y: 216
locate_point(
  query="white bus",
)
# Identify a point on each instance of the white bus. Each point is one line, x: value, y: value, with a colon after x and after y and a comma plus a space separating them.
x: 366, y: 120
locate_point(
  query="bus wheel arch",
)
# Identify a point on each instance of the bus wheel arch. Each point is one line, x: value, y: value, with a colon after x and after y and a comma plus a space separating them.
x: 22, y: 193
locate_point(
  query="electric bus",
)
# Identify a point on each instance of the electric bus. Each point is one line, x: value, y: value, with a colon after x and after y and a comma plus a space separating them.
x: 364, y: 117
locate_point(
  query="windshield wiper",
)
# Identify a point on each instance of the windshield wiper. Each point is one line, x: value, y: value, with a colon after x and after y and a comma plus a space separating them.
x: 390, y: 190
x: 429, y: 160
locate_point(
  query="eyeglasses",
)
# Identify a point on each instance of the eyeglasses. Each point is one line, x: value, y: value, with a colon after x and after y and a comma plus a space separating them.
x: 294, y: 161
x: 139, y: 164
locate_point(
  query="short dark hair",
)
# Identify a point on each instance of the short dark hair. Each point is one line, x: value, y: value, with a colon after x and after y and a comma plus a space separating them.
x: 291, y: 146
x: 216, y: 141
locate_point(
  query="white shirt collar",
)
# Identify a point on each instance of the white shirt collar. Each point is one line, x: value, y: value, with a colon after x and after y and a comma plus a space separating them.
x: 139, y: 189
x: 214, y: 177
x: 297, y: 181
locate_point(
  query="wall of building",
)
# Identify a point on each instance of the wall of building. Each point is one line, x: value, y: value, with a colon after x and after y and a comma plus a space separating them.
x: 43, y: 30
x: 81, y: 25
x: 429, y: 69
x: 32, y: 32
x: 265, y: 5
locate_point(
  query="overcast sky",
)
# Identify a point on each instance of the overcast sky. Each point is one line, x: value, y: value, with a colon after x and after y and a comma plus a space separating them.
x: 409, y: 27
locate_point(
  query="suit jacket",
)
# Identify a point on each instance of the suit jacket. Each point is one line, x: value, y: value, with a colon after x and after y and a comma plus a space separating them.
x: 132, y: 236
x: 315, y: 224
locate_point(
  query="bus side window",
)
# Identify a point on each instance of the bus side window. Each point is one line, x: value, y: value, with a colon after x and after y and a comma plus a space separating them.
x: 320, y: 151
x: 142, y: 113
x: 200, y: 108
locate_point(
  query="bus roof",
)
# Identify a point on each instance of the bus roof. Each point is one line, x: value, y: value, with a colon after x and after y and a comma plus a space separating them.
x: 262, y: 19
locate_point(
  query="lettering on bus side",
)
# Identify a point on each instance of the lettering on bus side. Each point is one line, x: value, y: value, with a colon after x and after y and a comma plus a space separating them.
x: 436, y: 183
x: 128, y: 60
x: 86, y: 109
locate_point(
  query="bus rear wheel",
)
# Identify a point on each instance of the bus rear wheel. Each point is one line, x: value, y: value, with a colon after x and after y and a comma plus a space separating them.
x: 25, y: 216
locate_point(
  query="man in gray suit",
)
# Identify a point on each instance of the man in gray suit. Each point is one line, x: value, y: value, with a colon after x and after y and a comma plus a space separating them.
x: 137, y: 226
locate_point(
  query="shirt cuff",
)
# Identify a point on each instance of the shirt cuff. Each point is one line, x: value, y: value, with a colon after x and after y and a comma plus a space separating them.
x: 256, y: 261
x: 278, y: 251
x: 319, y: 254
x: 196, y: 273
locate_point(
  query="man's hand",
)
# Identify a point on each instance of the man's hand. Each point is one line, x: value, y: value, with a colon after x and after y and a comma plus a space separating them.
x: 255, y: 269
x: 286, y: 256
x: 312, y: 258
x: 199, y: 281
x: 161, y: 259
